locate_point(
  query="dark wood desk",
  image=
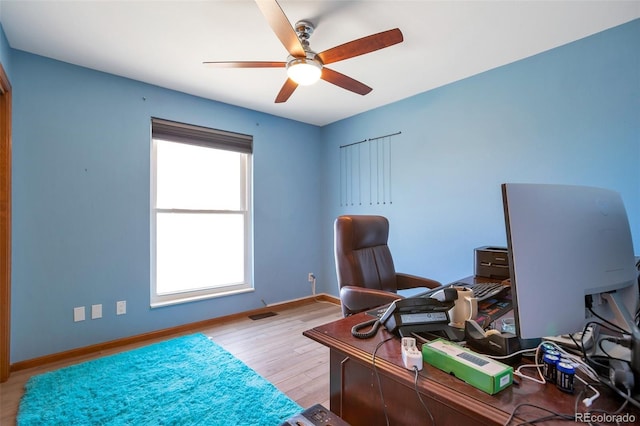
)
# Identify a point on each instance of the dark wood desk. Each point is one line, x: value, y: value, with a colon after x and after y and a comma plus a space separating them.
x: 355, y: 393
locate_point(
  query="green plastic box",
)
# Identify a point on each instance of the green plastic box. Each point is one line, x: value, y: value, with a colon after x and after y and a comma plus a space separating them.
x: 479, y: 371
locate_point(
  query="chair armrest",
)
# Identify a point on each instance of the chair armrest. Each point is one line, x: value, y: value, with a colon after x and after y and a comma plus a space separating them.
x: 357, y: 299
x: 405, y: 281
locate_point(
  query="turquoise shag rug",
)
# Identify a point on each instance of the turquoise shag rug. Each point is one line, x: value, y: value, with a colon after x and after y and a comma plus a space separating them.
x: 185, y: 381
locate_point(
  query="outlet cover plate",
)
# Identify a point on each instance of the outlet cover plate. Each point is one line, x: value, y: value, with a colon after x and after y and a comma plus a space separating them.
x: 96, y: 311
x: 121, y: 307
x: 78, y: 314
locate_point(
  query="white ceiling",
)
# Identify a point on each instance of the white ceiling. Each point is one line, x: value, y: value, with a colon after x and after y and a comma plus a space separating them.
x: 165, y: 42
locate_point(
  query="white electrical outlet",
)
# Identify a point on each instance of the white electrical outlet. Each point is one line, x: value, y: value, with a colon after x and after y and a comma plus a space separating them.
x: 78, y: 314
x: 310, y: 277
x: 121, y: 307
x: 96, y: 311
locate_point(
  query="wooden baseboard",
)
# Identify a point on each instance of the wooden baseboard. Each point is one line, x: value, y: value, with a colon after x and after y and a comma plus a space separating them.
x: 87, y: 350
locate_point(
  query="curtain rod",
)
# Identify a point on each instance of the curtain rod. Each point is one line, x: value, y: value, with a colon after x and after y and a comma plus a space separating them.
x: 370, y: 139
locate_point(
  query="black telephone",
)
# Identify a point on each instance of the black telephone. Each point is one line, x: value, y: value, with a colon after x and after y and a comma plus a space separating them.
x: 415, y: 312
x: 406, y: 316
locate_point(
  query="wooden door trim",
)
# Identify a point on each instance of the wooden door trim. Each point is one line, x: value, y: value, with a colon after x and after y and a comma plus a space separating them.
x: 5, y: 224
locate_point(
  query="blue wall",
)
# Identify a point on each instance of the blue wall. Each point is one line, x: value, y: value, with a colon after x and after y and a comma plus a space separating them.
x: 570, y: 115
x: 81, y: 179
x: 81, y: 161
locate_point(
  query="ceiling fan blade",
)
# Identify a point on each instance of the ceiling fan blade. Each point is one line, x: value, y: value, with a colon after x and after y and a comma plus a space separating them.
x: 281, y: 26
x: 361, y: 46
x: 344, y: 81
x: 286, y: 91
x: 245, y: 64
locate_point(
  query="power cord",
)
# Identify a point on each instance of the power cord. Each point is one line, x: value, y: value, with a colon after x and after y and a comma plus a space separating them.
x: 612, y: 326
x: 520, y: 352
x: 587, y: 401
x: 592, y: 361
x: 619, y: 374
x: 553, y: 415
x: 604, y: 351
x: 615, y: 373
x: 415, y: 386
x: 575, y: 360
x: 375, y: 370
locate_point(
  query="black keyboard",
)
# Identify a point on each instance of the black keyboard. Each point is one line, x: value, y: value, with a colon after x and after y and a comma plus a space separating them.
x: 483, y: 291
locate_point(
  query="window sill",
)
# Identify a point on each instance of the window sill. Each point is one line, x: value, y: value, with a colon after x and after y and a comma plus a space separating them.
x: 188, y: 299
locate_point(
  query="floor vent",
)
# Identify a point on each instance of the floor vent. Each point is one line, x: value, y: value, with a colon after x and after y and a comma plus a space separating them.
x: 262, y: 315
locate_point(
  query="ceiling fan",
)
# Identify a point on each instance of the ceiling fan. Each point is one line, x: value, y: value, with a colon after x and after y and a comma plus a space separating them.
x: 303, y: 65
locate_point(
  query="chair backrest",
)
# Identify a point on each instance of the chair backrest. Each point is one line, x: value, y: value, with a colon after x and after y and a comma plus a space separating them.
x: 361, y: 252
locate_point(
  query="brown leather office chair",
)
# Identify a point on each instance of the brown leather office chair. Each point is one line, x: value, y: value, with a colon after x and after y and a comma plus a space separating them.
x: 366, y: 275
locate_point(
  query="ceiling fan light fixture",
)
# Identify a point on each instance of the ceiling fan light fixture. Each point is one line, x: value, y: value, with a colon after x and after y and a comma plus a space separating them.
x: 304, y: 71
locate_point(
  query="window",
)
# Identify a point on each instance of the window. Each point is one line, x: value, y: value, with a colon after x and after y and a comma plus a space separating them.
x: 201, y: 213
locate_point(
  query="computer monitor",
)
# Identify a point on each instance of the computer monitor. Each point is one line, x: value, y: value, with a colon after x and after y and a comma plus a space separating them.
x: 567, y: 242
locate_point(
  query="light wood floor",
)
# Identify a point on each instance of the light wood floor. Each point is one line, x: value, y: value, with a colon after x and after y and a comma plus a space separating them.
x: 273, y: 346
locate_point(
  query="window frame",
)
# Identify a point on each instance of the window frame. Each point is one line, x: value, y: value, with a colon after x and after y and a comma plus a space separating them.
x: 207, y: 138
